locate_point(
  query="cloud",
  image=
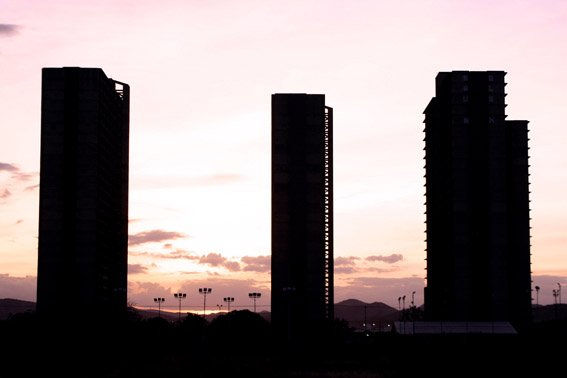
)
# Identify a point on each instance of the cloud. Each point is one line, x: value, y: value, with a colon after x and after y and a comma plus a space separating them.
x: 8, y: 30
x: 232, y: 266
x: 346, y: 261
x: 212, y: 259
x: 6, y: 166
x: 168, y: 246
x: 31, y: 188
x: 216, y: 259
x: 154, y: 236
x: 19, y: 221
x: 177, y: 254
x: 390, y: 259
x: 137, y: 269
x: 261, y: 264
x: 345, y: 270
x: 5, y: 194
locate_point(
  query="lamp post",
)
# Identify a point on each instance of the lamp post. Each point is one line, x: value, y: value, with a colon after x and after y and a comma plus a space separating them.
x: 228, y: 301
x: 404, y: 302
x: 413, y: 299
x: 559, y: 292
x: 204, y: 291
x: 180, y: 296
x: 399, y: 303
x: 537, y: 295
x: 219, y: 307
x: 159, y: 301
x: 254, y: 296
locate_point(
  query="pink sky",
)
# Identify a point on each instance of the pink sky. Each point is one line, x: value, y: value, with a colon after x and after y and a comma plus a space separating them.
x: 201, y: 75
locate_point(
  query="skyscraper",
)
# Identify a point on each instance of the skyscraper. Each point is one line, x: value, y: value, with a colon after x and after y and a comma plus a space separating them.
x: 477, y: 200
x: 83, y: 215
x: 302, y: 213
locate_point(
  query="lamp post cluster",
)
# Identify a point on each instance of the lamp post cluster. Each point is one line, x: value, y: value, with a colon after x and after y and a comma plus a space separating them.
x: 159, y: 301
x: 254, y: 296
x: 402, y: 301
x: 228, y: 301
x: 180, y: 296
x: 204, y: 291
x: 555, y: 292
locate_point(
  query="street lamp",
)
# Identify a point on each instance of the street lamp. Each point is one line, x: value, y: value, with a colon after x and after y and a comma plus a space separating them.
x: 559, y: 292
x: 180, y: 296
x: 404, y: 302
x: 159, y: 301
x: 228, y: 301
x: 537, y: 295
x: 412, y: 299
x: 219, y: 307
x: 254, y: 296
x: 204, y: 291
x: 399, y: 303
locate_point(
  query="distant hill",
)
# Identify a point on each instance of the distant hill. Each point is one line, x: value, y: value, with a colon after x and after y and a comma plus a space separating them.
x: 352, y: 310
x: 172, y: 316
x: 9, y: 306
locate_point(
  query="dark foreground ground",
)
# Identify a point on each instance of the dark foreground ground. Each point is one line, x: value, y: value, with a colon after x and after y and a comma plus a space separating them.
x: 240, y: 345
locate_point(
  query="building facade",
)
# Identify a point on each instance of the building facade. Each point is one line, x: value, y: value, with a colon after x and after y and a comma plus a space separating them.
x: 83, y: 215
x: 477, y: 202
x: 302, y: 213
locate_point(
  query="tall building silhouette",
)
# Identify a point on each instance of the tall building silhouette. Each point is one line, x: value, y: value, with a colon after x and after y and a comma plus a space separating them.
x: 302, y: 213
x: 477, y: 200
x: 83, y: 212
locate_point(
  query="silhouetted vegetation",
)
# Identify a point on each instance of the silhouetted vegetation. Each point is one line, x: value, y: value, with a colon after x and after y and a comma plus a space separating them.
x: 240, y: 343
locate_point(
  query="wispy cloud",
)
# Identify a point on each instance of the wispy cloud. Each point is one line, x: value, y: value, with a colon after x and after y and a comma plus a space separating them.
x: 5, y: 193
x: 8, y: 30
x: 177, y: 254
x: 154, y: 236
x: 388, y: 259
x: 8, y: 167
x: 31, y: 188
